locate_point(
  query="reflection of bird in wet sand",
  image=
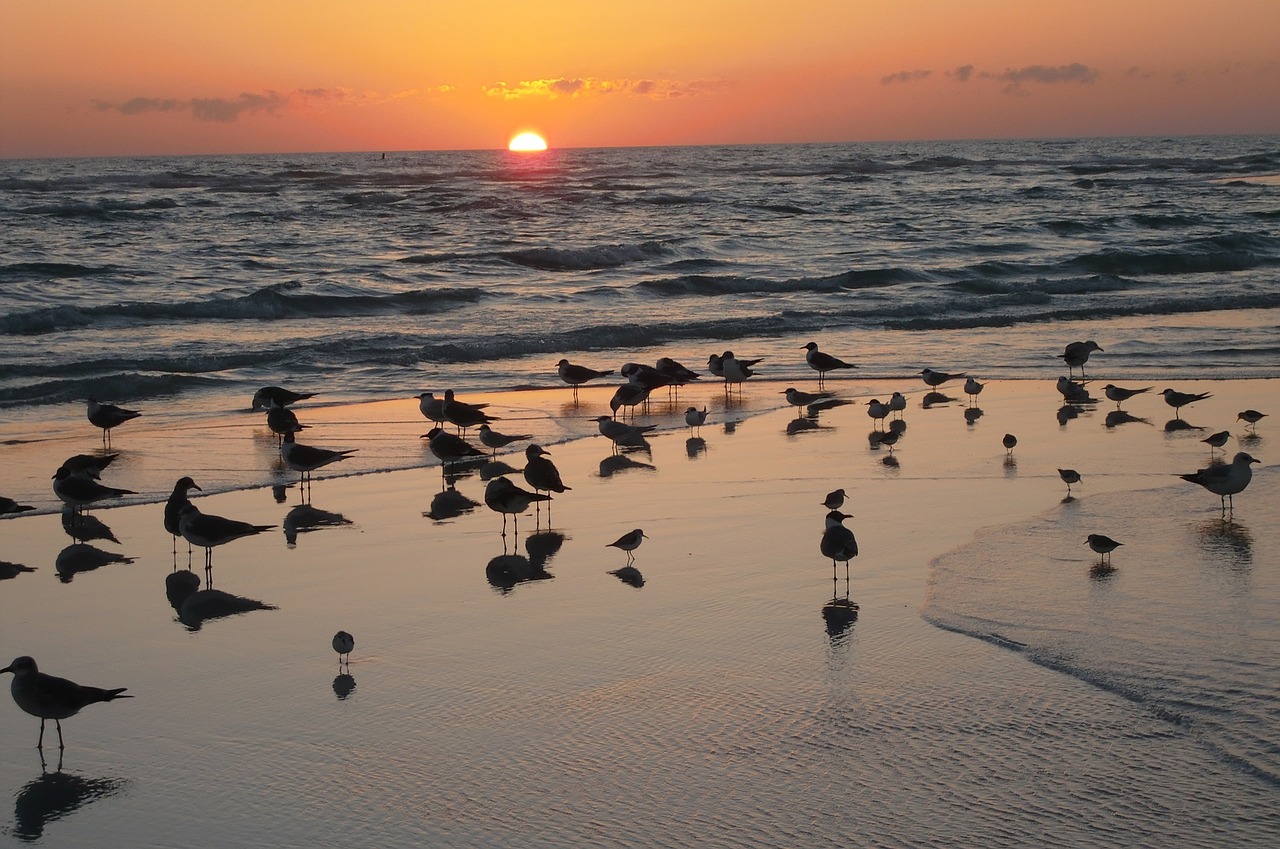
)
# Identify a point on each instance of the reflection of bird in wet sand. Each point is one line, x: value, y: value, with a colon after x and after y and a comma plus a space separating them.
x: 12, y: 570
x: 8, y: 505
x: 195, y: 606
x: 629, y: 542
x: 1225, y: 479
x: 629, y: 575
x: 49, y: 697
x: 82, y: 557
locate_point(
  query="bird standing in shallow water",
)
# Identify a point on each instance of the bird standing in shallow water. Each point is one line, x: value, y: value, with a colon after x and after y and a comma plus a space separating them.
x: 1009, y: 442
x: 107, y: 416
x: 1178, y: 400
x: 1120, y: 394
x: 834, y: 500
x: 1226, y: 479
x: 629, y: 542
x: 1216, y: 440
x: 823, y: 363
x: 1103, y: 545
x: 838, y: 542
x: 49, y: 697
x: 1250, y: 418
x: 1069, y: 477
x: 343, y: 643
x: 1077, y: 354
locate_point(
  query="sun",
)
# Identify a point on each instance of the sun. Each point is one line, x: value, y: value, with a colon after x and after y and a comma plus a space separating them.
x: 527, y: 142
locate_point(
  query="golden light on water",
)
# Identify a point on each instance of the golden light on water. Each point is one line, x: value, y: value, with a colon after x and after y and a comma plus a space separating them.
x: 526, y: 142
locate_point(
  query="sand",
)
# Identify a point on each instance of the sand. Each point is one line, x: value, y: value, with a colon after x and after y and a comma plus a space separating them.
x: 711, y: 706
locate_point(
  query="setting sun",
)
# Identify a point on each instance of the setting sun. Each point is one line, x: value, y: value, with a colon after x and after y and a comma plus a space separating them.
x: 527, y: 142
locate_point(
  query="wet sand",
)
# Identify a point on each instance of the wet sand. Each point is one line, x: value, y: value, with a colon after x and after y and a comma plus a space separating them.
x: 714, y: 705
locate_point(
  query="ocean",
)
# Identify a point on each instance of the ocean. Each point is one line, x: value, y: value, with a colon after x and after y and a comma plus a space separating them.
x: 358, y: 277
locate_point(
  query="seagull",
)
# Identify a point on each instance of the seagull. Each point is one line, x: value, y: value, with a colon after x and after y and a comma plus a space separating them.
x: 464, y: 415
x: 306, y: 459
x: 88, y: 465
x: 796, y: 398
x: 645, y: 377
x: 1103, y: 545
x: 1120, y: 395
x: 695, y: 418
x: 629, y: 542
x: 1077, y: 354
x: 265, y: 396
x: 877, y: 411
x: 1069, y: 477
x: 576, y: 375
x: 621, y: 433
x: 107, y: 416
x: 823, y: 363
x: 8, y: 505
x: 431, y: 407
x: 937, y: 378
x: 676, y: 371
x: 1009, y: 442
x: 1225, y: 479
x: 1178, y: 400
x: 540, y: 473
x: 628, y: 395
x: 838, y: 542
x: 173, y: 510
x: 1073, y: 392
x: 494, y: 440
x: 343, y: 643
x: 736, y: 370
x: 973, y: 389
x: 834, y: 499
x: 1250, y: 417
x: 715, y: 365
x: 502, y: 496
x: 1216, y: 440
x: 207, y: 531
x: 450, y: 448
x: 282, y: 420
x: 49, y: 697
x: 897, y: 403
x: 79, y: 492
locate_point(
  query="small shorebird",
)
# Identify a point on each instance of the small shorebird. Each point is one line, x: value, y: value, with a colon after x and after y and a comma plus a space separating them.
x: 343, y: 643
x: 1120, y: 394
x: 502, y: 496
x: 935, y: 379
x: 897, y: 403
x: 629, y: 542
x: 1225, y: 479
x: 1250, y: 418
x: 49, y: 697
x: 1077, y: 354
x: 206, y: 531
x: 1069, y: 477
x: 695, y: 418
x: 823, y: 363
x: 282, y: 397
x: 877, y: 411
x: 973, y: 389
x: 1103, y: 545
x: 834, y: 500
x: 494, y: 440
x: 576, y: 375
x: 1216, y: 440
x: 1009, y: 442
x: 107, y: 416
x: 838, y: 542
x: 1178, y: 400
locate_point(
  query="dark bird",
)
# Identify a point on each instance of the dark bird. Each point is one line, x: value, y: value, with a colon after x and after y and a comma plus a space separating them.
x: 838, y: 542
x: 1250, y: 418
x: 1225, y: 479
x: 1216, y: 440
x: 8, y: 505
x: 937, y: 378
x: 1178, y: 400
x: 628, y: 395
x: 1009, y: 442
x: 343, y: 643
x: 282, y: 420
x: 576, y: 375
x: 676, y: 371
x: 306, y: 458
x: 449, y: 447
x: 49, y: 697
x: 502, y: 496
x: 823, y: 363
x: 834, y: 499
x: 268, y: 395
x: 1077, y: 354
x: 1069, y: 477
x: 88, y: 465
x: 206, y: 531
x: 464, y: 415
x: 1103, y: 545
x: 494, y: 440
x: 107, y: 416
x: 1120, y: 394
x: 173, y: 509
x: 540, y: 473
x: 629, y: 542
x: 79, y: 492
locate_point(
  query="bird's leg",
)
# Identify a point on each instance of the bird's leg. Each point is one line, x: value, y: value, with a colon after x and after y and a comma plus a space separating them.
x: 58, y: 723
x: 40, y: 742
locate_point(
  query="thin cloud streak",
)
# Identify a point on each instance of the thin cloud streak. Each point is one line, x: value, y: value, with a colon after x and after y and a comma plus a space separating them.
x: 226, y: 110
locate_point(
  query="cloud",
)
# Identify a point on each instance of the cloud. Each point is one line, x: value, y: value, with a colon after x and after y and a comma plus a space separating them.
x: 905, y: 77
x: 574, y: 87
x: 961, y: 74
x: 226, y: 110
x: 1043, y: 74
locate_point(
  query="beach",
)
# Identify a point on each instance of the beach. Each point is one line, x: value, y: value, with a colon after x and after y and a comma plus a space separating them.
x: 719, y: 704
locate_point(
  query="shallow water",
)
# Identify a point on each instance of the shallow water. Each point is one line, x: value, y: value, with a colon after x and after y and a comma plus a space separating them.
x: 713, y: 706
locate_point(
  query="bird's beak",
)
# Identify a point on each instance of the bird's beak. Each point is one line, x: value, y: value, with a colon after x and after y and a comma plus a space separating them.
x: 196, y: 486
x: 7, y: 669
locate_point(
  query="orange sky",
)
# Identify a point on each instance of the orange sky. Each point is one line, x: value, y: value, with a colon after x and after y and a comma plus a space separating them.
x: 86, y: 77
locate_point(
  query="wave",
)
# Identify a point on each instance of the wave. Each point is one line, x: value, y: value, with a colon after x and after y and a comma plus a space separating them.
x: 712, y: 285
x: 1231, y: 252
x: 272, y: 303
x: 19, y: 271
x: 123, y: 385
x: 102, y: 210
x: 587, y: 259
